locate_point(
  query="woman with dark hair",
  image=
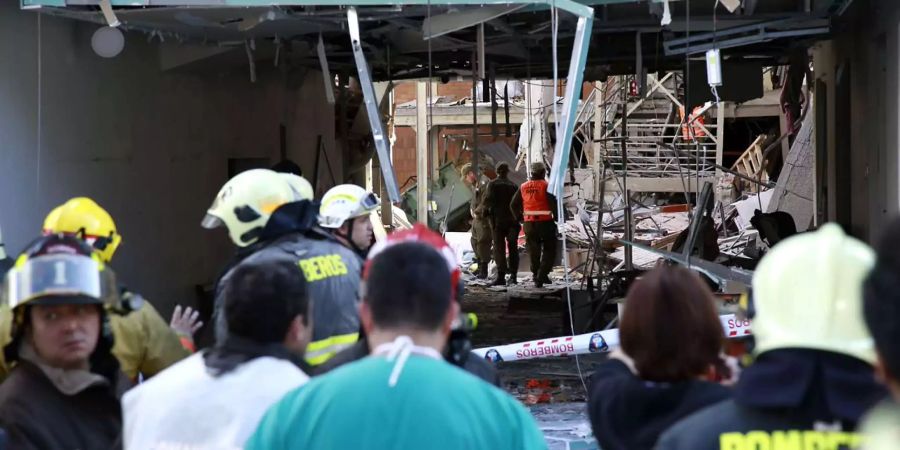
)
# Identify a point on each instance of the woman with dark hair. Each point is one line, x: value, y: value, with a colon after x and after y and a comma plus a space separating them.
x: 671, y: 341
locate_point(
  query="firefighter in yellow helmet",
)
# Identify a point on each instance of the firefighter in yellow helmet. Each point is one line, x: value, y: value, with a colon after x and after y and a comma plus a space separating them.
x: 63, y: 388
x: 144, y: 343
x: 84, y: 218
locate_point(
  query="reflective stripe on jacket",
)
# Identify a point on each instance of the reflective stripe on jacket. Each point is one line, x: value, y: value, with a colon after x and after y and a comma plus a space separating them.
x: 332, y: 272
x: 318, y: 352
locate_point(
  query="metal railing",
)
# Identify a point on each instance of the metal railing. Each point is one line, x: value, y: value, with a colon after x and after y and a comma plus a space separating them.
x: 650, y: 140
x: 649, y: 155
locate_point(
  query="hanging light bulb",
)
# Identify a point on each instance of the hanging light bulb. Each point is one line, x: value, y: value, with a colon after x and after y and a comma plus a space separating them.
x: 108, y: 42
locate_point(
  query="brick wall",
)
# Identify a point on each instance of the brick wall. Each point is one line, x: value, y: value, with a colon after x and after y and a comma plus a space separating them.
x: 405, y: 147
x: 456, y: 89
x: 405, y: 154
x: 405, y: 91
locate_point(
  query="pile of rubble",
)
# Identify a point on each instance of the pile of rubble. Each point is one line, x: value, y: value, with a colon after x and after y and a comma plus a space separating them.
x: 737, y: 220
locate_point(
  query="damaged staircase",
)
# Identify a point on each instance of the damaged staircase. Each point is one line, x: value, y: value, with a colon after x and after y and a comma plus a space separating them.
x: 663, y: 153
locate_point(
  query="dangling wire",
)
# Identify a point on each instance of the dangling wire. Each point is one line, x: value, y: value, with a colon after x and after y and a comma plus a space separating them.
x: 712, y: 87
x: 430, y: 117
x: 554, y: 21
x: 688, y: 108
x: 40, y: 78
x: 715, y: 92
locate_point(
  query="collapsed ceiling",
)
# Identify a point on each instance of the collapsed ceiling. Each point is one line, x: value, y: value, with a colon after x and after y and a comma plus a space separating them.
x: 518, y: 39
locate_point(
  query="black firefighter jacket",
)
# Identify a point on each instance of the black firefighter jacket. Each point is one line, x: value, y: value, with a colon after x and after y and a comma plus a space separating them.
x: 332, y: 273
x: 788, y: 399
x: 36, y: 415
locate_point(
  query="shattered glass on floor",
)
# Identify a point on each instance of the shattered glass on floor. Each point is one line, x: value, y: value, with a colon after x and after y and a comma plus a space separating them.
x: 565, y: 426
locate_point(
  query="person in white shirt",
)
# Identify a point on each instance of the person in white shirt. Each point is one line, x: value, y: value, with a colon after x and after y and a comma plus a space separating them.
x: 215, y: 399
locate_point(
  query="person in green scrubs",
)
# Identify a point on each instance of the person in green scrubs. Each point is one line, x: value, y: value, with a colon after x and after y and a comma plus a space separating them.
x: 404, y: 395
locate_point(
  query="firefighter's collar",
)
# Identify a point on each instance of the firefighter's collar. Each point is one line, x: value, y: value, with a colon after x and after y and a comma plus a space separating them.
x: 69, y: 382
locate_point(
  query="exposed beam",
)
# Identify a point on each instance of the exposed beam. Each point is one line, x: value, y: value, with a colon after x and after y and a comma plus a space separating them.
x: 326, y: 72
x: 447, y: 23
x: 733, y: 111
x: 108, y: 14
x: 570, y: 103
x: 382, y: 143
x: 578, y: 8
x: 748, y: 35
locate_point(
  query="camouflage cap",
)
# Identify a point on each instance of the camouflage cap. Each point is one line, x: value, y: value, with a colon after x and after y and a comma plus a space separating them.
x: 465, y: 169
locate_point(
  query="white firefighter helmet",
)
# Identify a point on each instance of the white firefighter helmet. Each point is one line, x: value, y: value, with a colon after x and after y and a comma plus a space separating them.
x: 344, y: 202
x: 807, y: 293
x: 245, y: 203
x: 301, y: 186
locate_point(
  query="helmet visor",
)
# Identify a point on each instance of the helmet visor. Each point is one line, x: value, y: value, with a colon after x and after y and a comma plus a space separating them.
x: 211, y: 222
x: 58, y: 278
x: 369, y: 203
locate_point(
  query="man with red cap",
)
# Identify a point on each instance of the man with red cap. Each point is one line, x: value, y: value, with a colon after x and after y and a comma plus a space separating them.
x: 458, y: 350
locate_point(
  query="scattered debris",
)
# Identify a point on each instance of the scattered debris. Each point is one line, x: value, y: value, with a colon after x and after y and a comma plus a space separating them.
x: 751, y: 163
x: 565, y: 426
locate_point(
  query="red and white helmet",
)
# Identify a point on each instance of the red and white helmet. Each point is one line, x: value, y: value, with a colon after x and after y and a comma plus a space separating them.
x: 421, y: 234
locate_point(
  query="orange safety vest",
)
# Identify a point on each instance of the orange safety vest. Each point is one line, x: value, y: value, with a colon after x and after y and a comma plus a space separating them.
x: 696, y: 124
x: 535, y: 202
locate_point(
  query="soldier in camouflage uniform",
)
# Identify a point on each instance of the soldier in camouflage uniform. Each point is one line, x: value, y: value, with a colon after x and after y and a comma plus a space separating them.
x: 481, y: 228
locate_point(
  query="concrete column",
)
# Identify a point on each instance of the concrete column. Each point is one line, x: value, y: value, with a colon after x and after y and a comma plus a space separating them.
x: 422, y: 152
x: 540, y: 97
x: 529, y: 112
x: 387, y: 209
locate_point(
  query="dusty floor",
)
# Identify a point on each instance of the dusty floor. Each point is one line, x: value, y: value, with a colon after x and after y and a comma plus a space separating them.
x: 551, y: 387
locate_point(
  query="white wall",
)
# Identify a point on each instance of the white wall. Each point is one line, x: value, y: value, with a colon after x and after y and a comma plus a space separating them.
x: 150, y: 146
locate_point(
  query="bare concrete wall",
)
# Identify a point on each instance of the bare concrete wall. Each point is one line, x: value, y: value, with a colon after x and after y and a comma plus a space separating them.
x: 150, y: 146
x: 868, y: 43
